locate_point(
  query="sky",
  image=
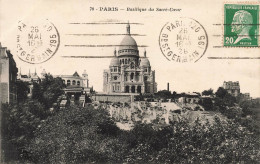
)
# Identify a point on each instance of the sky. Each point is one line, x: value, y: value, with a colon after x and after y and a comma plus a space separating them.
x: 183, y: 77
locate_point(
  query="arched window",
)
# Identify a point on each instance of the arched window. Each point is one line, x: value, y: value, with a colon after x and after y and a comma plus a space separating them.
x: 132, y: 76
x: 78, y: 83
x: 73, y: 82
x: 137, y: 76
x: 68, y: 82
x: 139, y: 89
x: 133, y: 89
x: 125, y: 61
x: 63, y: 81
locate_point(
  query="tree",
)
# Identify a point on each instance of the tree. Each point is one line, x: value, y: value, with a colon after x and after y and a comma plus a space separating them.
x: 221, y: 92
x: 174, y: 94
x: 37, y: 92
x: 223, y: 95
x: 48, y: 90
x: 207, y: 92
x: 163, y: 94
x: 22, y: 90
x: 206, y: 103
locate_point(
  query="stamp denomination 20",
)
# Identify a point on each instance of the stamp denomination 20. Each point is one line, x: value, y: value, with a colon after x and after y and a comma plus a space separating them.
x: 241, y: 26
x: 183, y: 40
x: 37, y: 42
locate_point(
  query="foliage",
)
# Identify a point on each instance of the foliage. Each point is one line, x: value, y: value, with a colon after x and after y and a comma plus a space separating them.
x: 88, y: 135
x: 77, y: 135
x: 85, y: 135
x: 22, y: 90
x: 207, y: 92
x: 206, y: 103
x: 221, y: 92
x: 48, y: 90
x: 163, y: 94
x: 19, y: 122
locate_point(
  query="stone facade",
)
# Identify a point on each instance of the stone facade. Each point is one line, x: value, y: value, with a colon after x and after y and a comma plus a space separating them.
x: 8, y: 76
x: 232, y: 88
x: 128, y: 72
x: 76, y: 83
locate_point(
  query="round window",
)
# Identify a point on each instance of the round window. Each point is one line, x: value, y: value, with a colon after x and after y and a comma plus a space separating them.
x: 115, y: 77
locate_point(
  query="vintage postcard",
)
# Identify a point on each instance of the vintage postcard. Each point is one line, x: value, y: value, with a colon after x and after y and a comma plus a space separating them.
x: 174, y: 81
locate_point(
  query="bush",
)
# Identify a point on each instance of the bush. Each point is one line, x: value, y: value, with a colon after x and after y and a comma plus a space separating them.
x: 77, y: 135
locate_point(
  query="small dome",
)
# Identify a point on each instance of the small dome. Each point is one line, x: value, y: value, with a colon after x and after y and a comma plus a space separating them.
x: 145, y: 62
x: 114, y: 62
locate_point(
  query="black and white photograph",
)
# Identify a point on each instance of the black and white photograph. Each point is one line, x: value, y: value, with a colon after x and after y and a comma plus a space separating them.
x: 138, y: 82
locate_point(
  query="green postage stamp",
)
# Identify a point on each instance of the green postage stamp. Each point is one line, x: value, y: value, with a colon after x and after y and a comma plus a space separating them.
x: 241, y: 27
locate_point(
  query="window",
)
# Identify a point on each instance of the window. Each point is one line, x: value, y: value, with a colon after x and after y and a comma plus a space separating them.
x: 132, y: 76
x: 115, y: 77
x: 78, y: 83
x: 115, y: 69
x: 68, y: 82
x: 137, y: 76
x: 73, y: 82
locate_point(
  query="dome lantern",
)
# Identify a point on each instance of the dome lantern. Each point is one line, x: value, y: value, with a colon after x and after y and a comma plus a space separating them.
x: 128, y: 29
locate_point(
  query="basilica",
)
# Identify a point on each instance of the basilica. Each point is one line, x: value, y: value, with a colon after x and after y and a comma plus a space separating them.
x: 128, y: 72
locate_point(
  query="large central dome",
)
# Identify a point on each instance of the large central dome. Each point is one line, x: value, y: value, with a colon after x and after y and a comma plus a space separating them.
x: 128, y: 45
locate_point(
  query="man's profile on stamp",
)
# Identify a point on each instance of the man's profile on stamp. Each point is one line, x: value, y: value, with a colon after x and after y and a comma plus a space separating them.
x: 241, y: 25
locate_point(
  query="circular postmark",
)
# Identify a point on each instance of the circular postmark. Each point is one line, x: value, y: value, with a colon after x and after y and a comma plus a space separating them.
x: 37, y: 42
x: 183, y: 40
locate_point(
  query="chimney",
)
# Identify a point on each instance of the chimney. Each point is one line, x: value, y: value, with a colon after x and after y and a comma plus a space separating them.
x: 168, y: 87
